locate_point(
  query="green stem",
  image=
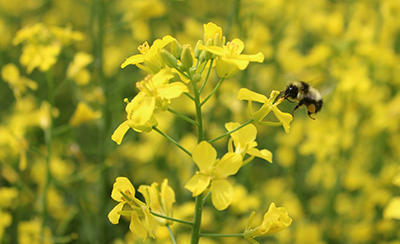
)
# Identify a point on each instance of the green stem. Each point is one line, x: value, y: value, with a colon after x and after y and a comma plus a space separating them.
x: 206, y: 197
x: 222, y: 235
x: 184, y: 117
x: 173, y: 141
x: 197, y: 220
x: 195, y: 237
x: 207, y: 76
x: 48, y: 140
x: 213, y: 91
x: 189, y: 96
x: 172, y: 219
x: 171, y: 234
x: 230, y: 132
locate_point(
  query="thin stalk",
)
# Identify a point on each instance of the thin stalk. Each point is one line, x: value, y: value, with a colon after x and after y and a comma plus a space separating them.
x: 213, y: 91
x: 173, y: 141
x: 48, y: 140
x: 189, y: 96
x: 222, y: 235
x: 184, y: 117
x: 206, y: 197
x: 195, y: 237
x: 171, y: 234
x: 197, y: 220
x: 230, y: 132
x: 207, y: 76
x: 172, y: 219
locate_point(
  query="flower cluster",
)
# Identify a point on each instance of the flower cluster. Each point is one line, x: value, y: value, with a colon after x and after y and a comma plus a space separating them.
x: 171, y: 68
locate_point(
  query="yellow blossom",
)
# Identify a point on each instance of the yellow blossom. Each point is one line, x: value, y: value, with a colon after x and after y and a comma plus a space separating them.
x: 213, y: 172
x: 244, y: 141
x: 29, y: 232
x: 392, y: 210
x: 76, y: 69
x: 82, y: 114
x: 212, y: 33
x: 150, y: 56
x: 42, y: 45
x: 230, y: 60
x: 17, y: 83
x: 160, y: 201
x: 275, y: 220
x: 142, y: 221
x: 155, y: 93
x: 268, y: 105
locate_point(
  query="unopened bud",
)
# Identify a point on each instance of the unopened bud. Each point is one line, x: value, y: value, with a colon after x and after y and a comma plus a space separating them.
x: 197, y: 51
x: 168, y: 58
x: 196, y: 78
x: 176, y: 49
x: 186, y: 58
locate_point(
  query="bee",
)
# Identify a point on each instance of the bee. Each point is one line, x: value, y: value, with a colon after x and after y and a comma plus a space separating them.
x: 305, y: 95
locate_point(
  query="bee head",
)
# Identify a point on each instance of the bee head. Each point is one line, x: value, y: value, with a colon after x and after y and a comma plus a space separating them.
x: 291, y: 91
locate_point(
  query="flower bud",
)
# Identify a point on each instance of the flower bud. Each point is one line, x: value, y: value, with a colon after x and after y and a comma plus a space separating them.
x: 176, y: 49
x: 197, y: 51
x: 186, y: 57
x: 196, y: 78
x: 168, y: 58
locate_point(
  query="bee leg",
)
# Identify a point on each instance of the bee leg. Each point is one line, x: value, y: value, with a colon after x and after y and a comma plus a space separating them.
x: 309, y: 115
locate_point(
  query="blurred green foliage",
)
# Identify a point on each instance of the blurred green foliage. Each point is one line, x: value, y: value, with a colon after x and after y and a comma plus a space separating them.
x: 333, y: 175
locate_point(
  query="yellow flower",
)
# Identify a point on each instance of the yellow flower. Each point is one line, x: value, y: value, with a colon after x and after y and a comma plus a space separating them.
x: 214, y: 172
x: 150, y: 56
x: 159, y: 201
x: 82, y: 114
x: 268, y: 105
x: 142, y: 221
x: 17, y: 83
x: 392, y: 210
x: 244, y: 141
x: 155, y: 92
x: 29, y: 232
x: 275, y: 220
x: 230, y: 60
x: 42, y: 45
x: 212, y: 34
x: 76, y: 69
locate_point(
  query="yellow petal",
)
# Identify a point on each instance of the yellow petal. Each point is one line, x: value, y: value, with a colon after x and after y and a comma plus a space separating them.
x: 228, y: 165
x: 137, y: 227
x: 392, y: 210
x: 83, y: 113
x: 167, y: 196
x: 247, y: 134
x: 219, y: 51
x: 120, y: 132
x: 246, y: 94
x: 122, y: 184
x: 135, y: 59
x: 198, y: 184
x: 172, y: 90
x: 285, y: 118
x: 265, y: 154
x: 114, y: 215
x: 241, y: 64
x: 204, y: 155
x: 222, y: 194
x: 259, y: 57
x: 231, y: 126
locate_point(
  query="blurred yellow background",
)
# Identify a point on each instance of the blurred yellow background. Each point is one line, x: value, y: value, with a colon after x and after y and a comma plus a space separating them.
x: 334, y: 175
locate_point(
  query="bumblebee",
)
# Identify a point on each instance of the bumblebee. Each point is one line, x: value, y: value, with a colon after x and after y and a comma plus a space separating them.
x: 305, y: 95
